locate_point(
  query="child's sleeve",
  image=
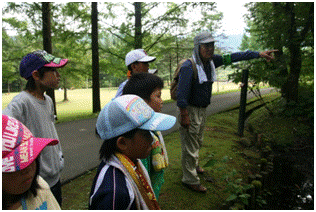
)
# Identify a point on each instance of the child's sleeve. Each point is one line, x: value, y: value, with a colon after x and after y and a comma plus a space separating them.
x: 15, y: 110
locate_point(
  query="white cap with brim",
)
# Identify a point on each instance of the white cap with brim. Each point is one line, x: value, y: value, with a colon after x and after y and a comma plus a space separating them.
x: 129, y: 112
x: 138, y: 55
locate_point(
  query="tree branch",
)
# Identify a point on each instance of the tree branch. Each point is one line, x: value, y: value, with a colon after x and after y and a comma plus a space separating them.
x: 118, y: 36
x: 308, y: 23
x: 111, y: 53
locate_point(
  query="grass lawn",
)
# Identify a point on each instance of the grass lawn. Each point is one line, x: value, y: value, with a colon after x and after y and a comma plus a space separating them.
x: 79, y: 104
x: 221, y: 150
x: 227, y: 161
x: 225, y: 157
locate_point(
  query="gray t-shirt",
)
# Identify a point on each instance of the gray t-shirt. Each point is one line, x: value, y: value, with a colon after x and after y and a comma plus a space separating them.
x: 38, y: 116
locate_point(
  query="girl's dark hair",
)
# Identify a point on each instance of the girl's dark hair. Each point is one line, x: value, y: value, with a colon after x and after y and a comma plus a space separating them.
x: 33, y: 190
x: 109, y: 147
x: 143, y: 85
x: 30, y: 85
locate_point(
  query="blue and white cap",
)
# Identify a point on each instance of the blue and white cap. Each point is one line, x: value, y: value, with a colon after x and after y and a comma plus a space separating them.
x: 128, y: 112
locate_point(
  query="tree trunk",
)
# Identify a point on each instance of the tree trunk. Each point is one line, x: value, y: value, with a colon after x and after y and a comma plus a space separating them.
x: 279, y: 55
x: 65, y: 90
x: 283, y: 73
x: 47, y: 43
x: 297, y: 37
x: 138, y: 25
x: 9, y: 90
x: 95, y: 59
x: 295, y: 56
x: 170, y: 67
x: 295, y: 69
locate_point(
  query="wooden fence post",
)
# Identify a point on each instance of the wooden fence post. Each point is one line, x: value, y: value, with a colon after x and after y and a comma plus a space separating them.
x: 243, y: 101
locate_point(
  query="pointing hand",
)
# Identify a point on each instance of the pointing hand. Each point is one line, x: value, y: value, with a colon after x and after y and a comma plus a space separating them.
x: 268, y: 54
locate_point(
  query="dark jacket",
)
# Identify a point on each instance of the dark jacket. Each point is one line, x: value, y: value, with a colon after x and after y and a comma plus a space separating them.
x: 113, y: 192
x: 191, y: 92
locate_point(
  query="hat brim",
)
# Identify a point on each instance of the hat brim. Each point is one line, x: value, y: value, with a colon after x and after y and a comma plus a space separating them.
x: 147, y: 59
x: 62, y: 63
x: 152, y: 71
x: 34, y: 148
x: 209, y: 40
x: 159, y: 122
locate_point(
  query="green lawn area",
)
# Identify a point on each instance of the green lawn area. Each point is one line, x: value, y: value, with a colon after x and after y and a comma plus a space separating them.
x: 227, y: 162
x: 79, y: 104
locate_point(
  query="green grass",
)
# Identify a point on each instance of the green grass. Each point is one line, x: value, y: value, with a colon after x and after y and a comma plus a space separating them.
x: 282, y: 130
x: 221, y: 147
x: 79, y: 104
x: 76, y: 192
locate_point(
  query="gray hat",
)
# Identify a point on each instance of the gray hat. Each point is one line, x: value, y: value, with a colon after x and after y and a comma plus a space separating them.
x: 203, y: 37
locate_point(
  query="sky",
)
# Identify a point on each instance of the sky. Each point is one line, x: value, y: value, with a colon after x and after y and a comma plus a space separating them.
x: 233, y: 22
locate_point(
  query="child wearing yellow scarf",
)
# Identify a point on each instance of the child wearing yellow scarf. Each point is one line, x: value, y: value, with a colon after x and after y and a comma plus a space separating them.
x: 122, y: 182
x: 148, y: 87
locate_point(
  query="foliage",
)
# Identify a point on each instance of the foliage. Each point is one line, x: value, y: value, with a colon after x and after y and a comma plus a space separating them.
x: 294, y: 121
x: 238, y: 192
x: 288, y: 27
x: 165, y: 35
x: 237, y: 189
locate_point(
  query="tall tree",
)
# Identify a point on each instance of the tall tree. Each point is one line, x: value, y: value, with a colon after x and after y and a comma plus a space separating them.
x: 47, y: 42
x: 155, y: 28
x: 289, y: 27
x: 161, y: 25
x: 138, y: 25
x: 95, y: 59
x: 297, y: 34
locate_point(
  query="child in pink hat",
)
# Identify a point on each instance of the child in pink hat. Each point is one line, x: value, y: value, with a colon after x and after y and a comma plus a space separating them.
x: 22, y: 187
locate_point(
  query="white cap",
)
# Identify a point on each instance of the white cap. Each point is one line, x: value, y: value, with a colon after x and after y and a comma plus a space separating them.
x: 153, y: 71
x: 138, y: 55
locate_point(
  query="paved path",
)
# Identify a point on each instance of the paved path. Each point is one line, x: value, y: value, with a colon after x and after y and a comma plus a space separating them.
x: 81, y: 146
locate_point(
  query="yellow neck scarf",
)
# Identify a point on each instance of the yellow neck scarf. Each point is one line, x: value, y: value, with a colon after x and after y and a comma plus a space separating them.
x: 141, y: 182
x: 159, y: 153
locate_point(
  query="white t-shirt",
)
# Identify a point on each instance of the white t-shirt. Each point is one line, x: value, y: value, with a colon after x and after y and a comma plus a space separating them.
x: 44, y: 200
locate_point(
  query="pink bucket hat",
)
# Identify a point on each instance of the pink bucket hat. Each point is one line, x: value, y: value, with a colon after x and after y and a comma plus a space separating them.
x: 19, y: 147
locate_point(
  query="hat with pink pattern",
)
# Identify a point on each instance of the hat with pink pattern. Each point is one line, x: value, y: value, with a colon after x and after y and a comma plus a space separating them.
x: 37, y: 60
x: 19, y: 147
